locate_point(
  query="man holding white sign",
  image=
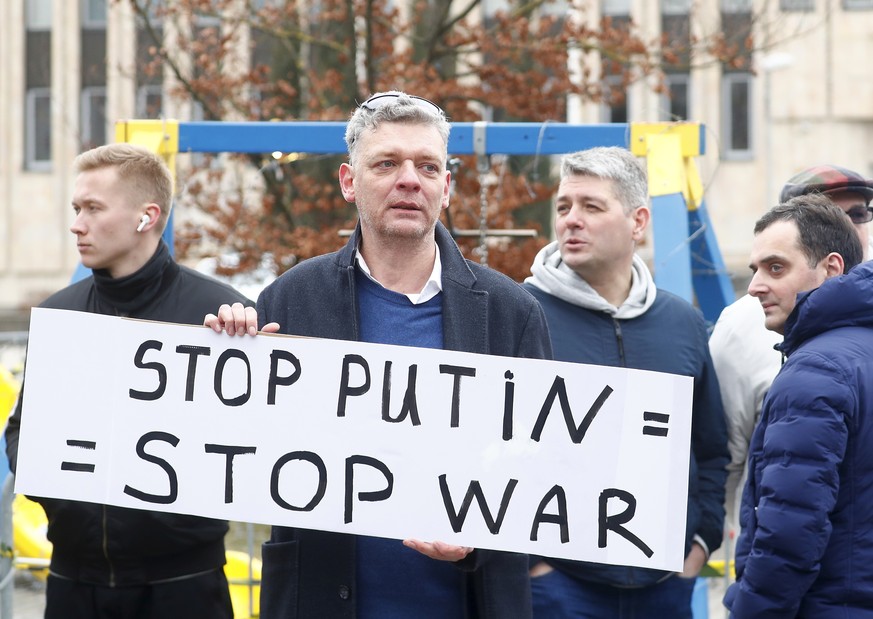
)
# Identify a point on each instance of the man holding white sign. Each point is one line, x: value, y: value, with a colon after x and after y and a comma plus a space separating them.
x: 402, y: 280
x: 603, y: 308
x: 104, y: 558
x: 490, y: 452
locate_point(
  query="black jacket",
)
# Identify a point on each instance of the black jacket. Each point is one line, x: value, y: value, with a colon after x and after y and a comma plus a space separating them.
x: 311, y: 574
x: 116, y: 546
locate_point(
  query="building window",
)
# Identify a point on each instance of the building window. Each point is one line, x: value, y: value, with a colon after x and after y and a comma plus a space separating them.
x: 204, y: 19
x: 737, y: 115
x: 155, y: 11
x: 615, y: 7
x: 736, y: 6
x: 675, y: 7
x: 38, y: 129
x: 92, y: 126
x: 490, y: 8
x: 674, y: 104
x: 37, y: 87
x: 558, y: 9
x: 614, y: 74
x: 736, y: 85
x: 149, y: 70
x: 614, y: 108
x: 93, y: 117
x: 150, y: 102
x: 38, y: 14
x: 94, y: 13
x: 676, y: 36
x: 857, y: 5
x: 796, y: 5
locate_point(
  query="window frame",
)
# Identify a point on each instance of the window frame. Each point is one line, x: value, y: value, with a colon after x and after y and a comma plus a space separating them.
x: 88, y: 21
x: 728, y: 80
x: 797, y: 6
x: 675, y: 7
x: 735, y: 6
x: 31, y: 98
x: 666, y: 111
x: 615, y: 7
x: 142, y: 94
x: 86, y: 103
x: 606, y: 107
x: 857, y: 5
x: 31, y: 24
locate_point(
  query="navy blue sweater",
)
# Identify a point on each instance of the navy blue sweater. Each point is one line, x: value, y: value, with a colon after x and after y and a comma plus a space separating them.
x: 313, y: 573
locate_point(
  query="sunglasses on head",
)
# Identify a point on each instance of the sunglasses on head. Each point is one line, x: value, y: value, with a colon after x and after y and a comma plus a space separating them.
x: 860, y: 214
x: 377, y: 101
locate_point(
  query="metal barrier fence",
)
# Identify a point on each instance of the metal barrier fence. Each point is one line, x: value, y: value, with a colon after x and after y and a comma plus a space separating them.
x: 7, y: 555
x: 12, y: 345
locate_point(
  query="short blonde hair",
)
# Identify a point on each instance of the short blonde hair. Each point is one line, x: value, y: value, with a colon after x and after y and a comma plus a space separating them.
x: 146, y: 176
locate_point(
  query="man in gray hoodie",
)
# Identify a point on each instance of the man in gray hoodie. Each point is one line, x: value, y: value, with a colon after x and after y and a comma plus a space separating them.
x: 603, y: 308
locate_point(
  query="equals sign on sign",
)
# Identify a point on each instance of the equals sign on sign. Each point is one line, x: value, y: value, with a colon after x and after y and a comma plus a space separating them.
x: 658, y: 418
x: 80, y: 467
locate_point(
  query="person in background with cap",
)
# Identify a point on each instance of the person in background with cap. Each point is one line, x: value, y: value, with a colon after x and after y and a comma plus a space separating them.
x: 400, y: 280
x: 742, y: 348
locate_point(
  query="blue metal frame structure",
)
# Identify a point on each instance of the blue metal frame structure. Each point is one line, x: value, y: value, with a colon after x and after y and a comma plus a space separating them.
x: 687, y: 259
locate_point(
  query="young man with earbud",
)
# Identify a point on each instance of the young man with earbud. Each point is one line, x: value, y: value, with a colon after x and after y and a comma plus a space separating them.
x: 111, y: 561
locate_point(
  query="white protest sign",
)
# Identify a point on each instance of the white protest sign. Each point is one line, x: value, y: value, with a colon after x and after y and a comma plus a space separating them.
x: 542, y: 457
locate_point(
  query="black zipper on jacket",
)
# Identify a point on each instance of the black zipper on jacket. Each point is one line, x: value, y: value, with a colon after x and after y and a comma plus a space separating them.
x: 629, y: 572
x: 619, y: 339
x: 106, y: 548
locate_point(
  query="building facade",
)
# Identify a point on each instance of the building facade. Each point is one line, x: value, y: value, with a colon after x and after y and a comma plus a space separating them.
x: 801, y: 96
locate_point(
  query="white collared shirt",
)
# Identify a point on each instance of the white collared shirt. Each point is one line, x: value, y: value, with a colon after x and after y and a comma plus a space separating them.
x: 432, y: 287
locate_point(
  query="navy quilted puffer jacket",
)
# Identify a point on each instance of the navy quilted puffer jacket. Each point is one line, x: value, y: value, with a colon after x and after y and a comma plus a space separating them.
x: 806, y: 548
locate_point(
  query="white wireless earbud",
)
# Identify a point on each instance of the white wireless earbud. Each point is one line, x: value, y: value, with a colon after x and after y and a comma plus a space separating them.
x: 145, y: 219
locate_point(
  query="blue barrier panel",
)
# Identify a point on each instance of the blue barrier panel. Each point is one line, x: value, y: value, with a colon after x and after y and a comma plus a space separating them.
x: 465, y: 139
x: 700, y: 599
x: 4, y: 463
x: 672, y: 250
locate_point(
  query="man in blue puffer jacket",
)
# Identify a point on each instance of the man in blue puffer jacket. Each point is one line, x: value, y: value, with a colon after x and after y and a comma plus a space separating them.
x: 806, y: 548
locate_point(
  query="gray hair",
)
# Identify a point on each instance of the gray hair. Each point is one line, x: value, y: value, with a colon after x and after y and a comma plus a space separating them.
x: 612, y: 163
x: 396, y: 107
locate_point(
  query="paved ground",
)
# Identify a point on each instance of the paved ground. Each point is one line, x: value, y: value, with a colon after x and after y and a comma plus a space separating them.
x: 28, y: 597
x: 717, y: 586
x: 715, y: 591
